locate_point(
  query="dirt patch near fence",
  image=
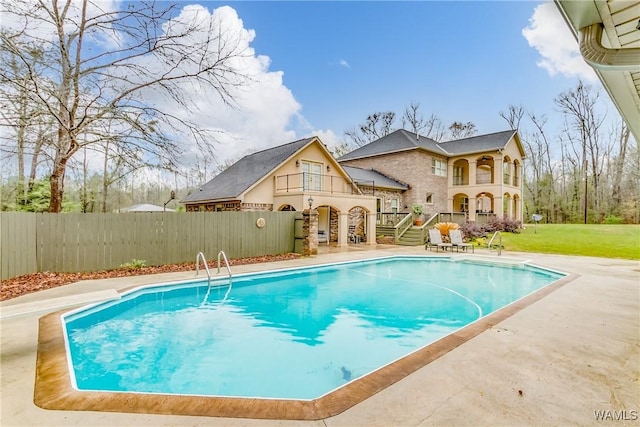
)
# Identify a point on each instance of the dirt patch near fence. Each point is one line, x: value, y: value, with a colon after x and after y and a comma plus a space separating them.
x: 21, y: 285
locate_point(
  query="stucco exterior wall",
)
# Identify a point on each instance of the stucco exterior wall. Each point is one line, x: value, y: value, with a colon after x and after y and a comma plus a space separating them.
x: 264, y: 191
x: 498, y: 197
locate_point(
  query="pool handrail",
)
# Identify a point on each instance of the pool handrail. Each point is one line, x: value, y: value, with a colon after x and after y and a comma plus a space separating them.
x: 204, y: 262
x: 226, y: 261
x: 499, y: 250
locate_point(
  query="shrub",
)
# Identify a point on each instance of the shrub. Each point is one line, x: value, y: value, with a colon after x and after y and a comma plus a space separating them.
x: 613, y: 219
x: 134, y: 264
x: 472, y: 231
x: 508, y: 225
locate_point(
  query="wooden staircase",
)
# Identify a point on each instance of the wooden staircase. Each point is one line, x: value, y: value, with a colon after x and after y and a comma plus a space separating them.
x: 412, y: 237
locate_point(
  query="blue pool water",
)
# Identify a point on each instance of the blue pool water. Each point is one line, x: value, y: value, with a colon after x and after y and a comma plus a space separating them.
x: 290, y: 334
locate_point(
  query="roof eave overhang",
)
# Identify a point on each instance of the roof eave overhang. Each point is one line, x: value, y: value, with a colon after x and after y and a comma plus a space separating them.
x: 216, y: 200
x: 403, y: 150
x: 585, y: 20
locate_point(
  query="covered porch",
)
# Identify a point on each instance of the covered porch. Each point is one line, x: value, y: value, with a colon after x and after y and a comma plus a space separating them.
x: 340, y: 218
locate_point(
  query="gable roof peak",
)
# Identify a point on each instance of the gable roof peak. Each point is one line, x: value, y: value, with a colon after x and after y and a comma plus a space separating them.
x: 244, y: 173
x: 480, y: 143
x: 396, y: 141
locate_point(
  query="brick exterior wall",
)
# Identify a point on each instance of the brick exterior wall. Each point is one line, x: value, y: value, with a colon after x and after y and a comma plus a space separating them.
x: 386, y: 196
x: 414, y: 168
x: 257, y: 207
x: 233, y: 206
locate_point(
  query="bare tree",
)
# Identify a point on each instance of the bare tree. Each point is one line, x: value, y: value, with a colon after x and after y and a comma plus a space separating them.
x: 618, y: 167
x: 108, y: 68
x: 22, y: 117
x: 459, y: 130
x: 583, y: 132
x: 434, y: 128
x: 376, y: 126
x: 412, y: 118
x: 513, y: 116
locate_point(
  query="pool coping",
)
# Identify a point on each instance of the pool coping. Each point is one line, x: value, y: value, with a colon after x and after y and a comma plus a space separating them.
x: 53, y: 389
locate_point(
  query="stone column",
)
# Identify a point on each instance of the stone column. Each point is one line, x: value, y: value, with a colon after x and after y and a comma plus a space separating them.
x: 343, y: 229
x: 310, y: 232
x: 371, y: 229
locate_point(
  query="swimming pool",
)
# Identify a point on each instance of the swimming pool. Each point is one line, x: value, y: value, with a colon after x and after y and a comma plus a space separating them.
x: 295, y: 334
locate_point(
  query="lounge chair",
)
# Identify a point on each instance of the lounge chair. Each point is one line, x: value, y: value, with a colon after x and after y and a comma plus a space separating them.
x: 435, y: 240
x: 456, y: 240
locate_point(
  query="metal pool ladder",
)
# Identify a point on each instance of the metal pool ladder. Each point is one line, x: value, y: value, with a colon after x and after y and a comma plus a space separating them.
x: 498, y: 234
x: 226, y: 261
x: 199, y: 257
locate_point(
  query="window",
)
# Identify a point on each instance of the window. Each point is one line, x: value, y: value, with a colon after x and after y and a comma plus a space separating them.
x: 438, y: 167
x: 516, y: 174
x: 311, y: 176
x: 429, y: 199
x: 464, y: 204
x: 458, y: 175
x: 394, y: 205
x: 506, y: 173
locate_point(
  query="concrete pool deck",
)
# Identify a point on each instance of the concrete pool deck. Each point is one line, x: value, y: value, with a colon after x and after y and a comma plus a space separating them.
x: 555, y: 362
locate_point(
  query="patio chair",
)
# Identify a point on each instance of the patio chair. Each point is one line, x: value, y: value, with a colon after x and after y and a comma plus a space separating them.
x: 456, y: 240
x: 435, y: 240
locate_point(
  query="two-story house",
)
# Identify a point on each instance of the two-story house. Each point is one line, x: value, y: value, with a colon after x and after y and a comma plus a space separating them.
x: 478, y: 176
x: 472, y: 178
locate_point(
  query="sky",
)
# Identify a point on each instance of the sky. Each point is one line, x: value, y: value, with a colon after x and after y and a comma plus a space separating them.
x: 464, y: 61
x: 338, y: 62
x: 321, y: 67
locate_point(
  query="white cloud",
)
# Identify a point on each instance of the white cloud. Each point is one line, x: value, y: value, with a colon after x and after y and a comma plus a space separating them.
x: 265, y: 112
x: 328, y: 138
x: 549, y: 35
x: 344, y: 63
x: 262, y: 109
x: 42, y: 30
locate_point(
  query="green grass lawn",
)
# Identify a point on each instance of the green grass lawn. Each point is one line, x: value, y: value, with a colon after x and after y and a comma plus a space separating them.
x: 608, y: 241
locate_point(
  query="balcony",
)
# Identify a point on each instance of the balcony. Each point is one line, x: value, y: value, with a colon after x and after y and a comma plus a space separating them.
x: 320, y: 183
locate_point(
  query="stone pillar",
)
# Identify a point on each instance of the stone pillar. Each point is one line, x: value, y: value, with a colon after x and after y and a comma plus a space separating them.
x: 371, y: 229
x: 343, y: 229
x: 310, y: 232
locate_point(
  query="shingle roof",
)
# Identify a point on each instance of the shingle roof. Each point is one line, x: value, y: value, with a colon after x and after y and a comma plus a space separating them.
x: 399, y: 140
x: 236, y: 179
x: 474, y: 144
x: 145, y: 207
x: 372, y: 177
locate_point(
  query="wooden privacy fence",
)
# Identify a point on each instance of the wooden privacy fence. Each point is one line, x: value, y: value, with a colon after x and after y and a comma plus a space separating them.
x: 91, y: 242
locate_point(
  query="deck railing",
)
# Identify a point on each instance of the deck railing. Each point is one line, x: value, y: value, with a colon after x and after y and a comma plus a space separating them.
x: 389, y: 218
x: 306, y: 181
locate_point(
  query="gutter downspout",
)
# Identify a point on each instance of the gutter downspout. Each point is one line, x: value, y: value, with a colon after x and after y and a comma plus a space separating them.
x: 602, y: 58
